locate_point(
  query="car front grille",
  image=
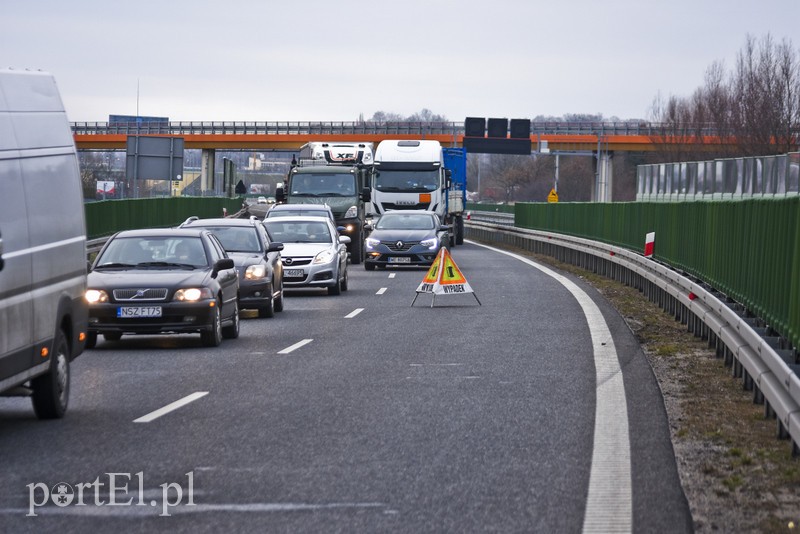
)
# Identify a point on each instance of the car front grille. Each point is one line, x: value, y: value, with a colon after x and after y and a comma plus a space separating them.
x: 404, y: 247
x: 295, y: 262
x: 140, y: 295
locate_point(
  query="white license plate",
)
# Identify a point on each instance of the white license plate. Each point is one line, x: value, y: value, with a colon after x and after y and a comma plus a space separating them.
x: 139, y: 311
x: 399, y: 259
x: 295, y: 273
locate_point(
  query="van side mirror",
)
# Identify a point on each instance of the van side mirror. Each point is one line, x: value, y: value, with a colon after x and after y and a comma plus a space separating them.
x: 366, y: 194
x: 280, y: 194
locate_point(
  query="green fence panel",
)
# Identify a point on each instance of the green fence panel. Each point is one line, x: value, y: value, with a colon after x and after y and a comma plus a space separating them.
x: 748, y: 249
x: 105, y: 217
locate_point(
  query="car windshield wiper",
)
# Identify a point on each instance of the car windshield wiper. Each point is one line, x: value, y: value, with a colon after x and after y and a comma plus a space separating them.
x: 166, y: 264
x: 115, y: 265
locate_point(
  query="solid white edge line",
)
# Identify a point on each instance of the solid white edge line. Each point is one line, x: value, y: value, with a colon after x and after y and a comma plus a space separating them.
x: 609, y: 504
x: 171, y: 407
x: 296, y: 346
x: 353, y: 313
x: 381, y: 291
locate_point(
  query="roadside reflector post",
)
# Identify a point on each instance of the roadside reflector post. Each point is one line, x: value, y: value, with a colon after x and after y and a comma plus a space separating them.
x: 649, y: 244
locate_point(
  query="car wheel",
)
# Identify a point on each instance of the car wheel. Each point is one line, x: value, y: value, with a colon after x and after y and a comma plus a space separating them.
x: 51, y: 390
x: 336, y: 289
x: 232, y: 331
x: 112, y: 336
x: 369, y: 266
x: 269, y: 309
x: 345, y: 281
x: 278, y: 301
x: 91, y: 340
x: 213, y: 337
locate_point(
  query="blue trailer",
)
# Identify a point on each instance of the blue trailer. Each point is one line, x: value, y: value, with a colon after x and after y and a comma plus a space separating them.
x: 455, y: 161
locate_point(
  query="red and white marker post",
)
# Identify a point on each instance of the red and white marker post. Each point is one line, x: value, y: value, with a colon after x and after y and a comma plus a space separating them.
x: 649, y: 244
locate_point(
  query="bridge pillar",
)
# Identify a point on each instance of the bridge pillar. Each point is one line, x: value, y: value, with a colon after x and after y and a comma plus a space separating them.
x: 207, y: 170
x: 604, y: 177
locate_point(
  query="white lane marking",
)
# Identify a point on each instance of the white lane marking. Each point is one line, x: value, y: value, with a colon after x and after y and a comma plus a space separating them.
x: 353, y: 313
x: 609, y: 505
x: 381, y: 291
x: 392, y: 275
x: 296, y: 346
x: 171, y: 407
x: 433, y: 364
x: 141, y: 511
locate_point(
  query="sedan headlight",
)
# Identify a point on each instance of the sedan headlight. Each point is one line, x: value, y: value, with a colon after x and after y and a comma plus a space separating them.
x: 255, y: 272
x: 372, y: 243
x: 326, y: 256
x: 351, y: 213
x: 192, y: 294
x: 431, y: 243
x: 94, y: 296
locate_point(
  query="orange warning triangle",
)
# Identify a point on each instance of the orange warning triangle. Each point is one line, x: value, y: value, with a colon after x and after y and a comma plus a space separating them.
x: 450, y: 274
x: 431, y: 277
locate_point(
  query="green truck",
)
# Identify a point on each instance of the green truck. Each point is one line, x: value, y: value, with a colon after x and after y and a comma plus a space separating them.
x: 336, y: 175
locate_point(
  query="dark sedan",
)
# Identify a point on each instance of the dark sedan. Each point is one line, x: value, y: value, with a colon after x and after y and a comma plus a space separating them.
x: 257, y: 259
x: 163, y: 281
x: 405, y: 237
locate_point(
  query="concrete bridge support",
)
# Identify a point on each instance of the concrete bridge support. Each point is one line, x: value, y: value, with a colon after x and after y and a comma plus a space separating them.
x: 207, y: 170
x: 604, y: 177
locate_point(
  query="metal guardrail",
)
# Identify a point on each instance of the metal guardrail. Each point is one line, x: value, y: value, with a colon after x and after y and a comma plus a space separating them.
x: 378, y: 128
x: 757, y: 360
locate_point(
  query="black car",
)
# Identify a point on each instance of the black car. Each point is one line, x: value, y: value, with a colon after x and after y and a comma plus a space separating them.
x: 405, y: 237
x: 258, y: 261
x: 163, y: 281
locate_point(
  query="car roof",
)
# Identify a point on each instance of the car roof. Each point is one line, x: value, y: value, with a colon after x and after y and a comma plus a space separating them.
x: 220, y: 221
x: 309, y: 207
x: 163, y: 232
x: 298, y: 218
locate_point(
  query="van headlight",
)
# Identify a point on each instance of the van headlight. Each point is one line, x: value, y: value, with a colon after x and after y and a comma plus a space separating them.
x: 351, y: 213
x: 192, y: 294
x: 94, y: 296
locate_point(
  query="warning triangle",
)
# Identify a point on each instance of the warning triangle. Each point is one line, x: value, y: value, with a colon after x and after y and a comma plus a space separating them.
x: 444, y: 278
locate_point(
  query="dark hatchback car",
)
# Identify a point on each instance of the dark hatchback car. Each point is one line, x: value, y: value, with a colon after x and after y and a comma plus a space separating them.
x: 257, y: 259
x: 405, y: 237
x: 163, y: 281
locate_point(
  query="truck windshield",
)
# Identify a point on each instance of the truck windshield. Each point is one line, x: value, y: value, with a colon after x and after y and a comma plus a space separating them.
x: 406, y: 181
x: 324, y: 185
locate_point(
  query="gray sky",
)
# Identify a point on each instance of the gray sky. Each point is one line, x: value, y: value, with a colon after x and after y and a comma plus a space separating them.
x: 310, y: 60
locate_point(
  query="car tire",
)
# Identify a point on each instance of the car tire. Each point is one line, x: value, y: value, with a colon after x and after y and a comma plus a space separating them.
x: 278, y: 301
x: 112, y: 336
x: 213, y: 337
x: 345, y: 281
x: 51, y: 390
x: 269, y: 309
x: 91, y: 340
x: 459, y: 230
x: 369, y: 266
x: 232, y: 331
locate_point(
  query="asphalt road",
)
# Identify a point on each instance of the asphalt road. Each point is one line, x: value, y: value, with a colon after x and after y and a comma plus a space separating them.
x: 452, y: 418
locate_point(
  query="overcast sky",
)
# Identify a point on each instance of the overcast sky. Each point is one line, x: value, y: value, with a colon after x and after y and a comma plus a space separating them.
x: 310, y: 60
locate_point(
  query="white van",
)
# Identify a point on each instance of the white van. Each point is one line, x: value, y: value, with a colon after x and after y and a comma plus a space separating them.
x: 43, y: 315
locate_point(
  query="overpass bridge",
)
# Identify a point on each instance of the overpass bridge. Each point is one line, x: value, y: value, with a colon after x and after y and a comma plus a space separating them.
x: 599, y: 139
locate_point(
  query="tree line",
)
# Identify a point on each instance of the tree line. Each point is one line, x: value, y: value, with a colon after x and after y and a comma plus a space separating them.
x: 754, y: 107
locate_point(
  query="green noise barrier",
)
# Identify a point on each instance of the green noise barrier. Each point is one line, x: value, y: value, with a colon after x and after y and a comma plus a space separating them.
x: 747, y: 249
x: 105, y: 217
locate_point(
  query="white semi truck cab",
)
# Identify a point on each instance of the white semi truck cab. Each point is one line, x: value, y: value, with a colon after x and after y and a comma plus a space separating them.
x: 411, y: 175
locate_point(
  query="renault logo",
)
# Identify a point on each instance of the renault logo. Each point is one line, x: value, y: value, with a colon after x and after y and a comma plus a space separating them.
x: 399, y: 244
